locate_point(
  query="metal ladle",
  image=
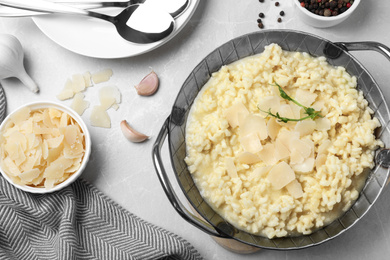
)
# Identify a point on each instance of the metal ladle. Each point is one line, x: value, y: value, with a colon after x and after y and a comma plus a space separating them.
x: 157, y: 19
x: 174, y: 7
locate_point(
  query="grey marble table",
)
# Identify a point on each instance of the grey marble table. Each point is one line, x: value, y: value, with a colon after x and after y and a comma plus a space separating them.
x: 124, y: 171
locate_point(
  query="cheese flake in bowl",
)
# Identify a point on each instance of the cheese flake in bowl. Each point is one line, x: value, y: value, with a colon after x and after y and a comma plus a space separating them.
x: 44, y: 147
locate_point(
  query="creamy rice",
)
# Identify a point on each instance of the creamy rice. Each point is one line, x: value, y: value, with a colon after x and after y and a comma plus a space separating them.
x: 249, y: 201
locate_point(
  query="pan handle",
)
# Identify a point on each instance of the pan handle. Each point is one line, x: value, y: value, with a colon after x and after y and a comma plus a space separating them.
x: 365, y: 46
x: 169, y: 191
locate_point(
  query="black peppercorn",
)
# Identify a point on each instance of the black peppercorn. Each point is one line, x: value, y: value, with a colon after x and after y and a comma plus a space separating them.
x: 261, y: 15
x: 281, y: 13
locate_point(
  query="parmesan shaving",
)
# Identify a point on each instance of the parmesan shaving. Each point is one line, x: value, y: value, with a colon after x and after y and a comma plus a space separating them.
x: 79, y: 104
x: 99, y: 117
x: 305, y: 127
x: 233, y: 113
x: 87, y: 79
x: 248, y: 158
x: 286, y: 111
x: 109, y: 96
x: 281, y: 151
x: 305, y: 97
x: 320, y: 160
x: 253, y: 124
x: 296, y: 157
x: 273, y: 128
x: 271, y: 103
x: 322, y: 124
x: 302, y: 147
x: 230, y: 167
x: 102, y: 76
x: 267, y: 155
x: 21, y: 115
x: 296, y: 111
x: 306, y: 166
x: 280, y: 175
x: 251, y: 143
x: 295, y: 189
x: 259, y: 173
x: 67, y: 92
x: 78, y: 83
x: 323, y: 148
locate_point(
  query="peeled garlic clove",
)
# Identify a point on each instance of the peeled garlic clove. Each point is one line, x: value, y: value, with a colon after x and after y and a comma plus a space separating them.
x: 148, y: 85
x: 131, y: 134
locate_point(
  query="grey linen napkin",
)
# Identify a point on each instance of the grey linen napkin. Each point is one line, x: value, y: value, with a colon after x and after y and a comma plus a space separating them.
x: 79, y: 222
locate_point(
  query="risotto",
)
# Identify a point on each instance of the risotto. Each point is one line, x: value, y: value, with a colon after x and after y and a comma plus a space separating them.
x: 261, y: 162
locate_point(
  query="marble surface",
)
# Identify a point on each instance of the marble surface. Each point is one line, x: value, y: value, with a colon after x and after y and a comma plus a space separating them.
x: 124, y: 171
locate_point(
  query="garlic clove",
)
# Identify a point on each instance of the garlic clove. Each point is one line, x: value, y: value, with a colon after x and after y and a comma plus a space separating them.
x: 131, y: 134
x: 148, y: 85
x: 11, y: 62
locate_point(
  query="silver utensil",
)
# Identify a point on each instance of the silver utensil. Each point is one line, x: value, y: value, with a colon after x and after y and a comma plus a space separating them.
x: 174, y: 7
x: 148, y: 25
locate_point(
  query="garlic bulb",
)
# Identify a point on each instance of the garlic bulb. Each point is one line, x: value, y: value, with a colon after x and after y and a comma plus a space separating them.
x: 148, y: 85
x: 11, y: 61
x: 131, y: 134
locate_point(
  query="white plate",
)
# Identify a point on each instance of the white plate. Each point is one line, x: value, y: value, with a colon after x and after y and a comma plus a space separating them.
x: 97, y: 38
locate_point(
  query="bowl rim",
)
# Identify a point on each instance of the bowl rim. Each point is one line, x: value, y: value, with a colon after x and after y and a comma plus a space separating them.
x: 328, y: 18
x: 46, y: 104
x: 175, y: 121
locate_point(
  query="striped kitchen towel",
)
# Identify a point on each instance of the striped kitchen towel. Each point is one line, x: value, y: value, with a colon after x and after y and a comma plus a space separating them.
x: 79, y: 222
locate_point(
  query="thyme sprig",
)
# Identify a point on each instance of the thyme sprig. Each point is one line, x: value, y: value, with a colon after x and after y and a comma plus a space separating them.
x: 309, y: 111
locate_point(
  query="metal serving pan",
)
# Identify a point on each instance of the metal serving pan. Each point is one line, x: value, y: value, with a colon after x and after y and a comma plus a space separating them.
x: 337, y: 54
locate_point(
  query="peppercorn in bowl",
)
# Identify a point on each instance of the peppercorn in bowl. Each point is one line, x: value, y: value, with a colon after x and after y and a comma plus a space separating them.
x: 325, y: 13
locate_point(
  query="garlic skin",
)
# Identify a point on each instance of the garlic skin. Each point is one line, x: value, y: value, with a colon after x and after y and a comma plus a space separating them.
x: 11, y: 61
x: 148, y: 85
x: 131, y: 134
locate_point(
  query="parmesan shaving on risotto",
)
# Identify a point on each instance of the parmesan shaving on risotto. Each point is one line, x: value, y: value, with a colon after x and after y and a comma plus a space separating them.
x: 272, y: 178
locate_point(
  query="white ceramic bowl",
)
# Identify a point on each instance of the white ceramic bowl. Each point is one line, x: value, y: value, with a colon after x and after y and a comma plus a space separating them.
x: 322, y: 21
x: 73, y: 177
